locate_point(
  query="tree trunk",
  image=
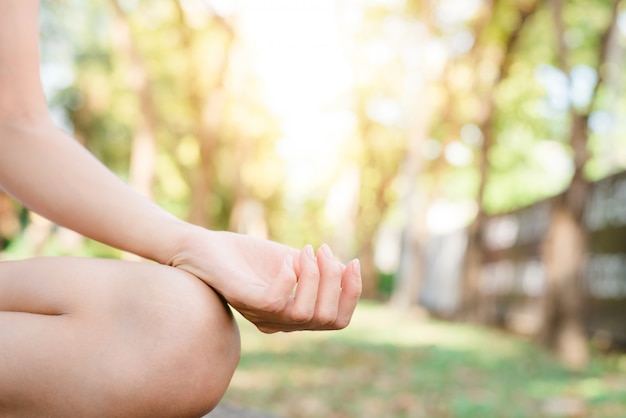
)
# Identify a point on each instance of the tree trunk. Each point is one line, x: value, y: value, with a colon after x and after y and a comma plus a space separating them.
x: 367, y: 221
x: 410, y: 275
x: 143, y: 147
x: 206, y: 102
x: 369, y: 271
x: 563, y: 253
x: 470, y: 308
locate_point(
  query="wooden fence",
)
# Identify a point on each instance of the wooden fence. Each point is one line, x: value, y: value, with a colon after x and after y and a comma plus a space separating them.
x: 513, y: 283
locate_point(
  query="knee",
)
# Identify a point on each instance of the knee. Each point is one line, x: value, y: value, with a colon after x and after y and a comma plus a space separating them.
x: 186, y: 346
x: 207, y: 351
x: 210, y: 347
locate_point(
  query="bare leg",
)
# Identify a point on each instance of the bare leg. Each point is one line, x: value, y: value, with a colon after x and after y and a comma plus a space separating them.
x: 108, y: 338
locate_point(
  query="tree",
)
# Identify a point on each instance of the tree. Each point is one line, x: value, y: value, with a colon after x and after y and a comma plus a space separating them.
x: 392, y: 109
x: 206, y: 97
x: 565, y: 246
x: 470, y: 304
x: 144, y: 144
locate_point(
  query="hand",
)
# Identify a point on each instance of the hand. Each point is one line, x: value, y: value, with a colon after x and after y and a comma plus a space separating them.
x: 274, y: 286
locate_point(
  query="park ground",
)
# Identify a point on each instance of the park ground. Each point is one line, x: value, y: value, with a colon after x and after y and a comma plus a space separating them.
x: 390, y: 365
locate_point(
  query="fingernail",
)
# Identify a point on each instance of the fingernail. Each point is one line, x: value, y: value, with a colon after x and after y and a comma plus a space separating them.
x: 356, y: 267
x: 308, y: 252
x: 325, y: 249
x: 289, y: 261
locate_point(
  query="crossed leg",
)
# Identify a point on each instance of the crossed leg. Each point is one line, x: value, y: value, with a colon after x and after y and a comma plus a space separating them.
x: 109, y: 338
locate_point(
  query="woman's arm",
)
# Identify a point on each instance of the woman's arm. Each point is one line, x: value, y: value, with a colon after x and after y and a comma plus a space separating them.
x: 52, y: 174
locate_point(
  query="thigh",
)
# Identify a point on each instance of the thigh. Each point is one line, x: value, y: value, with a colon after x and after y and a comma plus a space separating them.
x: 84, y: 337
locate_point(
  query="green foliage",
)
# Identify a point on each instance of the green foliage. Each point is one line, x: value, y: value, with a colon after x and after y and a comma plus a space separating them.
x: 385, y: 284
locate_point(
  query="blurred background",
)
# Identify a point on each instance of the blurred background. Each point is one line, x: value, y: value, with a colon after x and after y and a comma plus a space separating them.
x: 471, y: 153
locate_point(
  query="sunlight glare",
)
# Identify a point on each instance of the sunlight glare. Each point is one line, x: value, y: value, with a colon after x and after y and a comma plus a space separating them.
x: 444, y: 216
x: 453, y: 12
x: 458, y: 154
x: 554, y: 157
x: 621, y: 23
x: 298, y: 55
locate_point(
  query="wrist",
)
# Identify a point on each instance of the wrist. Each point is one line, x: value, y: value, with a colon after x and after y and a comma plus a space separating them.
x: 177, y: 242
x: 202, y: 253
x: 187, y: 241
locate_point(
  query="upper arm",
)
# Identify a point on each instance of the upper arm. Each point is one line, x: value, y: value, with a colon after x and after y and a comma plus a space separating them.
x: 21, y: 94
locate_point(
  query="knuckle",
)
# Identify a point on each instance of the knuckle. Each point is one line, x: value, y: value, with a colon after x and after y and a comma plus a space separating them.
x: 314, y: 274
x: 359, y: 291
x: 355, y: 296
x: 266, y: 329
x: 342, y: 323
x: 311, y: 275
x: 302, y: 315
x: 353, y: 293
x: 325, y: 318
x: 328, y: 266
x: 274, y: 305
x: 334, y: 271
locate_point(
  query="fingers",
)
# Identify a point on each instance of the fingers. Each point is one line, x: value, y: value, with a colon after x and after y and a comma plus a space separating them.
x: 326, y: 295
x: 351, y: 288
x: 327, y: 304
x: 327, y: 292
x: 308, y: 283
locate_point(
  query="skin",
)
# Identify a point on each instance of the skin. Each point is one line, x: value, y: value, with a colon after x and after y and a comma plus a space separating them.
x: 90, y: 338
x: 107, y: 338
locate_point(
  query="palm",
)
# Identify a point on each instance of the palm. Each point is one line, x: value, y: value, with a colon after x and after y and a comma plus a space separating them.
x: 258, y: 277
x: 251, y: 267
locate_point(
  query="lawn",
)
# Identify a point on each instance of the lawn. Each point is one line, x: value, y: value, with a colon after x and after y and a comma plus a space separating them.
x: 387, y: 365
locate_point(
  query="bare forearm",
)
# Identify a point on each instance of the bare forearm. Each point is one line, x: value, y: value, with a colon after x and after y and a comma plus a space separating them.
x: 52, y: 174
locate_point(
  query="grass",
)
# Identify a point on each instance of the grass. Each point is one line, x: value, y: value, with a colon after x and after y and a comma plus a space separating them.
x: 385, y: 365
